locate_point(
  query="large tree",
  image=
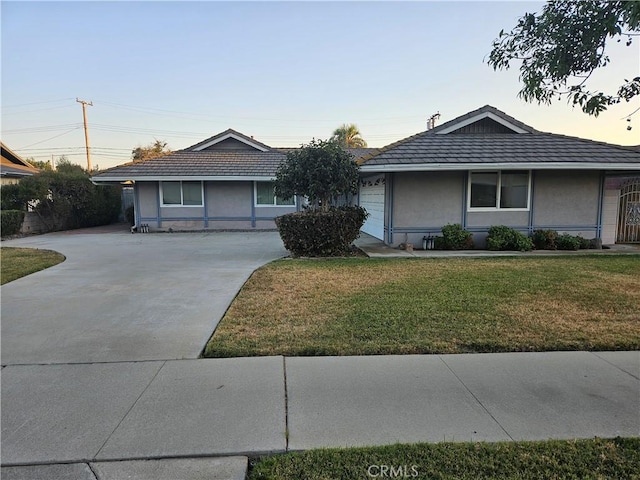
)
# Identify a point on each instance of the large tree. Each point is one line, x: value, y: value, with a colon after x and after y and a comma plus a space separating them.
x: 153, y: 150
x: 559, y: 49
x: 348, y: 136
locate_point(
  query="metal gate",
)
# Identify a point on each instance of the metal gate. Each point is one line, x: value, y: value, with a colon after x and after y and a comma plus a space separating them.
x: 629, y: 212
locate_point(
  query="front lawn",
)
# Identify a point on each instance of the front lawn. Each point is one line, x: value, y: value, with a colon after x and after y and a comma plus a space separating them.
x: 577, y: 459
x: 19, y: 262
x: 417, y: 306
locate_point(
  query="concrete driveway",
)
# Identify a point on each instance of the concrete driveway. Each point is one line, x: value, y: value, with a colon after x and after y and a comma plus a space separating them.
x: 123, y: 297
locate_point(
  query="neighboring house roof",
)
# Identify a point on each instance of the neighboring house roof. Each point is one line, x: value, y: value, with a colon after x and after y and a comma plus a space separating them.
x: 229, y: 155
x: 488, y: 138
x: 13, y: 165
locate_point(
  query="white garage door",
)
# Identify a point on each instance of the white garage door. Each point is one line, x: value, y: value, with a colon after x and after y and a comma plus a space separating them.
x: 372, y: 199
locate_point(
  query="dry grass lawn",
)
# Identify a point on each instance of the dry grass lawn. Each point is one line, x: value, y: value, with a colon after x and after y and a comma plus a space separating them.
x: 19, y: 262
x: 454, y: 305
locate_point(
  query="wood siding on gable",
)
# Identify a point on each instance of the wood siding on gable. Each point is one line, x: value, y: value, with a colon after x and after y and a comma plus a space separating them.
x: 485, y: 125
x: 231, y: 145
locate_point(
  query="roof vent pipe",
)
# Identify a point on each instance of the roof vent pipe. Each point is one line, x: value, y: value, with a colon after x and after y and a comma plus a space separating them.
x: 431, y: 121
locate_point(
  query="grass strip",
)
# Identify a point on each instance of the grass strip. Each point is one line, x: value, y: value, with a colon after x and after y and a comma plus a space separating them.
x: 19, y: 262
x: 422, y: 306
x: 554, y: 459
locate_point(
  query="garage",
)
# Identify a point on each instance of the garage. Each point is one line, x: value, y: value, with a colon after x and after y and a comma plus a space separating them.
x: 372, y: 199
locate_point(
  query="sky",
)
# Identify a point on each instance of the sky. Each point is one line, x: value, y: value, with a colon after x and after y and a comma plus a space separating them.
x: 282, y: 72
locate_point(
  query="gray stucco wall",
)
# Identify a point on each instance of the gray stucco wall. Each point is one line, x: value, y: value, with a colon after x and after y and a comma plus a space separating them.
x: 228, y: 205
x: 423, y: 202
x: 566, y: 198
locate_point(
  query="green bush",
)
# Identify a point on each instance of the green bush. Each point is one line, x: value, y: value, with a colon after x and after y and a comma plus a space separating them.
x: 585, y: 243
x: 65, y: 199
x: 11, y: 221
x: 505, y: 238
x: 455, y: 238
x: 313, y: 233
x: 568, y: 242
x: 11, y: 196
x: 544, y: 239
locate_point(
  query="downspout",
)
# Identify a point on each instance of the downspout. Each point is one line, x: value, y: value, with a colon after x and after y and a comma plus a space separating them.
x: 158, y: 211
x: 532, y: 214
x: 389, y: 186
x: 206, y: 208
x: 253, y: 205
x: 465, y: 186
x: 600, y: 205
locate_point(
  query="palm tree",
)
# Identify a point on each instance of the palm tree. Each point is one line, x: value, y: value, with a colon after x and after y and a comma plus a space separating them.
x: 348, y: 136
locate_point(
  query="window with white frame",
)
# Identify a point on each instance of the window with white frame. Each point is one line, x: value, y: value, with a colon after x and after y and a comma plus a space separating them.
x: 266, y: 197
x: 497, y: 190
x: 181, y: 194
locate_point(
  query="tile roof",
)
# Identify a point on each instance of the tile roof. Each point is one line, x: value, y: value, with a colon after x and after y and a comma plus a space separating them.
x: 202, y: 164
x: 431, y: 147
x: 496, y: 148
x: 208, y: 163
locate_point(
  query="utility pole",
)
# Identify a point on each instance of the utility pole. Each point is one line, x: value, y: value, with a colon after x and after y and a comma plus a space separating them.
x: 86, y: 132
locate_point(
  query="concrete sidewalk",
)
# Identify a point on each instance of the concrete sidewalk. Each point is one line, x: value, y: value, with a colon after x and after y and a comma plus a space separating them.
x: 92, y: 417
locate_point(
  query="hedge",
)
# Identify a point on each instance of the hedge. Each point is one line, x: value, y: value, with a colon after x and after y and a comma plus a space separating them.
x: 11, y: 221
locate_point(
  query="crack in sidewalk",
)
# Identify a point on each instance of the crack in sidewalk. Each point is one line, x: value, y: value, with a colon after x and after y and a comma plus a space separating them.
x: 476, y: 398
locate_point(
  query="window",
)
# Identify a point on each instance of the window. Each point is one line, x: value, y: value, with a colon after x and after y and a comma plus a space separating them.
x: 507, y: 189
x: 265, y: 196
x: 187, y: 194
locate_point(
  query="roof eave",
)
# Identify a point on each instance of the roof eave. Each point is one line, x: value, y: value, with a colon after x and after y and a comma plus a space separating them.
x: 176, y: 178
x: 434, y: 167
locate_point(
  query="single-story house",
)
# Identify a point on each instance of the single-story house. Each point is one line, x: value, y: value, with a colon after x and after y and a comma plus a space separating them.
x: 486, y: 168
x: 481, y: 169
x: 223, y: 182
x: 14, y: 168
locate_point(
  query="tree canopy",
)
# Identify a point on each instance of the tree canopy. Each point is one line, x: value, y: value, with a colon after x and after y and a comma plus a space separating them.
x: 561, y: 47
x: 153, y: 150
x: 322, y: 171
x: 348, y: 136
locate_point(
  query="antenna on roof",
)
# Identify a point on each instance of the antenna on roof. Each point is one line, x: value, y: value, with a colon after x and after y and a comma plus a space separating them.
x: 431, y: 121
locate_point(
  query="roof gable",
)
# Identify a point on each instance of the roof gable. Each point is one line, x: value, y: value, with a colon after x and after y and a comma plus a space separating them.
x: 485, y: 138
x: 487, y: 119
x: 229, y: 140
x: 9, y: 156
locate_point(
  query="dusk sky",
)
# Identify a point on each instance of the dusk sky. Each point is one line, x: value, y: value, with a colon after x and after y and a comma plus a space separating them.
x: 283, y: 72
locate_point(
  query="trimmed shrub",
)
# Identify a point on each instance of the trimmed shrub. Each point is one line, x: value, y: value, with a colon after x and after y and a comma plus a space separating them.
x: 11, y: 221
x: 544, y: 239
x: 568, y: 242
x: 455, y: 238
x: 313, y: 233
x: 505, y: 238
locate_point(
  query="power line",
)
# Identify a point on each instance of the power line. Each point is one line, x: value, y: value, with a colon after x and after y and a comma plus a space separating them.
x: 36, y: 103
x: 44, y: 128
x: 42, y: 141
